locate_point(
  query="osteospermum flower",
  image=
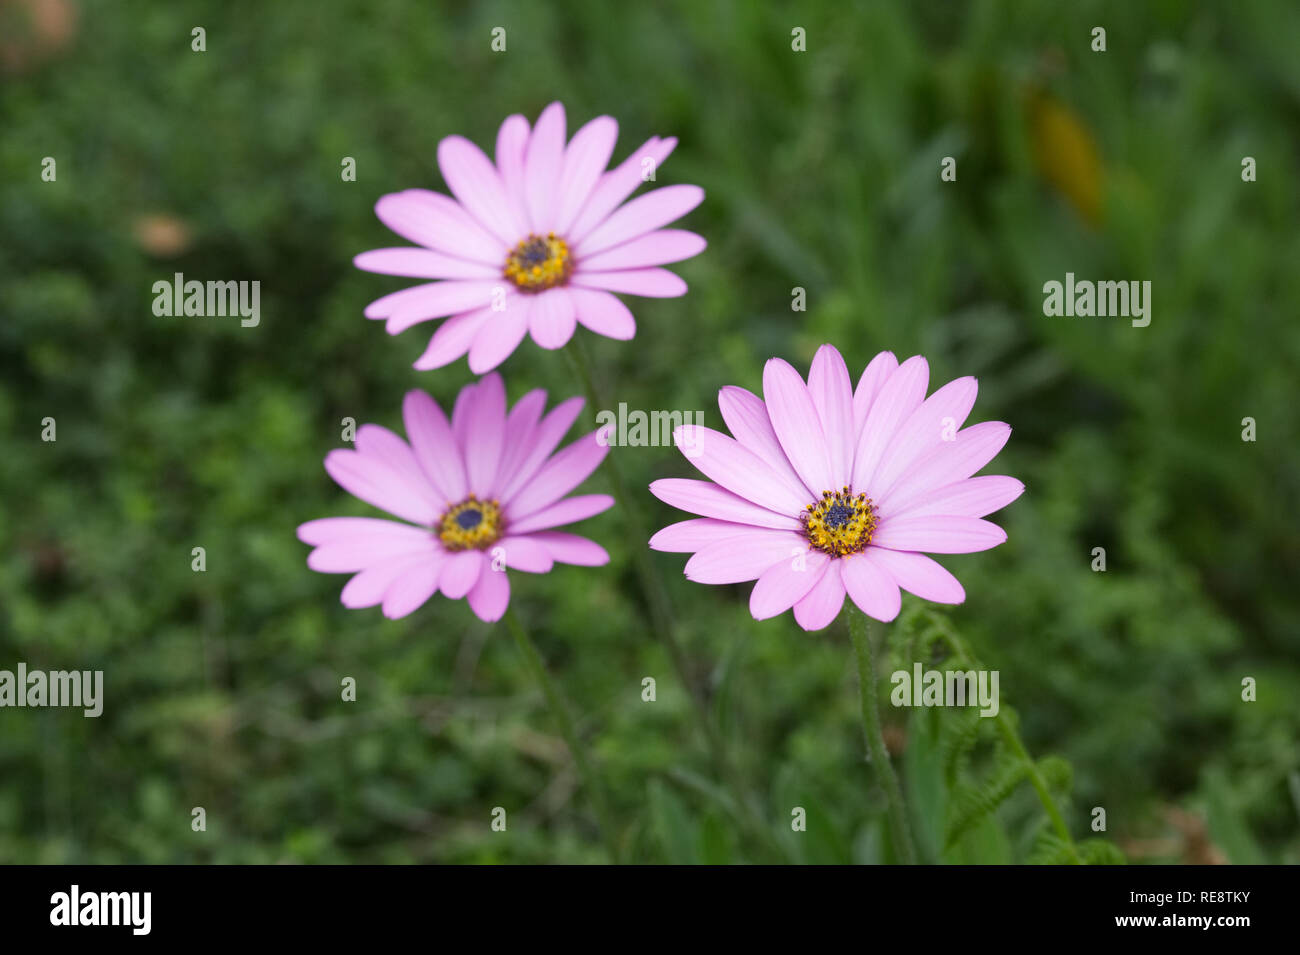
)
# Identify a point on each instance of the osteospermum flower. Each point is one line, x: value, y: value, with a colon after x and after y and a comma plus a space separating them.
x: 534, y: 243
x: 826, y: 490
x: 480, y: 494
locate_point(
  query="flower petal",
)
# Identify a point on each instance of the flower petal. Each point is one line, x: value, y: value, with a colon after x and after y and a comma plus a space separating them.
x: 434, y: 446
x: 918, y: 574
x: 475, y: 182
x: 731, y: 465
x: 572, y: 549
x: 952, y: 461
x: 521, y: 552
x: 584, y: 160
x: 423, y: 264
x: 487, y: 427
x: 351, y: 554
x: 512, y: 145
x: 938, y: 534
x: 440, y: 223
x: 537, y: 447
x: 816, y: 609
x: 552, y: 321
x: 440, y: 299
x: 619, y: 183
x: 327, y: 530
x: 708, y: 500
x: 832, y: 396
x: 374, y: 441
x: 873, y: 590
x: 542, y: 166
x: 377, y: 484
x: 901, y: 395
x: 928, y: 427
x: 873, y: 379
x: 453, y: 338
x: 650, y: 283
x: 490, y: 595
x: 653, y: 248
x: 557, y: 477
x: 367, y: 588
x: 745, y: 556
x: 461, y: 572
x: 746, y: 417
x: 602, y: 313
x: 410, y: 589
x: 686, y: 537
x: 643, y: 214
x: 498, y: 336
x: 562, y: 512
x: 797, y: 426
x: 781, y: 586
x: 973, y: 497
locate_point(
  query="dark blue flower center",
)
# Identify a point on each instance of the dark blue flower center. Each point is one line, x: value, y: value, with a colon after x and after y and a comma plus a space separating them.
x: 469, y: 519
x: 837, y: 516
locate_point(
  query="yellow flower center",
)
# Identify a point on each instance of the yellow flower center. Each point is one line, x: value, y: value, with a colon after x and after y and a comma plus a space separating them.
x: 471, y: 525
x: 840, y: 524
x: 539, y: 262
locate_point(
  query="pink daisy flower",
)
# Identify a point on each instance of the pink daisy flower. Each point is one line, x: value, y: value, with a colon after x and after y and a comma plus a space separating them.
x: 826, y: 490
x: 481, y: 493
x: 535, y: 243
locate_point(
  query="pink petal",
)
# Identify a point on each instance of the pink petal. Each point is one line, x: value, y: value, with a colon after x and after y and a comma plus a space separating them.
x: 566, y: 511
x: 490, y: 596
x: 938, y: 534
x: 643, y: 214
x: 542, y: 166
x: 973, y: 497
x: 521, y: 422
x: 900, y: 396
x: 572, y: 549
x: 653, y: 248
x: 377, y: 484
x: 487, y: 427
x: 924, y: 430
x: 832, y: 396
x: 409, y: 591
x: 475, y: 182
x: 881, y: 368
x: 558, y: 476
x: 872, y: 589
x: 551, y: 321
x: 708, y: 500
x: 512, y: 144
x: 349, y: 555
x: 328, y: 530
x: 619, y: 183
x: 439, y: 223
x: 817, y: 608
x: 368, y: 587
x: 746, y: 556
x: 442, y: 298
x: 602, y: 313
x: 461, y: 572
x: 797, y: 426
x: 781, y: 586
x: 918, y: 574
x: 453, y: 338
x: 496, y: 338
x: 729, y: 464
x: 746, y: 416
x: 434, y: 447
x: 460, y: 414
x: 386, y: 305
x: 651, y: 283
x: 584, y: 161
x: 951, y: 461
x: 538, y: 446
x: 686, y: 537
x: 423, y: 264
x: 523, y: 553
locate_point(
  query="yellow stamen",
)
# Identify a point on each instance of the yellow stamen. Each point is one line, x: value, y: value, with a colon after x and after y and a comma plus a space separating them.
x: 471, y: 525
x: 539, y: 262
x: 840, y: 524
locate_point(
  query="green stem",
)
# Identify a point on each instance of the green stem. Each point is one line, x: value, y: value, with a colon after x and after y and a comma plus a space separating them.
x: 902, y: 835
x: 1012, y: 738
x: 561, y: 713
x: 662, y: 623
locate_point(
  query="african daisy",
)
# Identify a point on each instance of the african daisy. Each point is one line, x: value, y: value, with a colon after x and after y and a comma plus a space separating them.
x: 825, y: 489
x: 534, y: 243
x: 481, y: 493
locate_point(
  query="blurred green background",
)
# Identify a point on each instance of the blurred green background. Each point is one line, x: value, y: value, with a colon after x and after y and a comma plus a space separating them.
x: 822, y: 171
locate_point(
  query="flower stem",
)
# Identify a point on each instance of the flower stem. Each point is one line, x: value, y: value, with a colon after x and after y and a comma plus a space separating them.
x: 902, y: 836
x: 1011, y: 736
x: 560, y: 712
x: 662, y: 622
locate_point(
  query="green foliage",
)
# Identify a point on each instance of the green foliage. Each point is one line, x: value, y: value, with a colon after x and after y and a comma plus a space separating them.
x: 821, y: 171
